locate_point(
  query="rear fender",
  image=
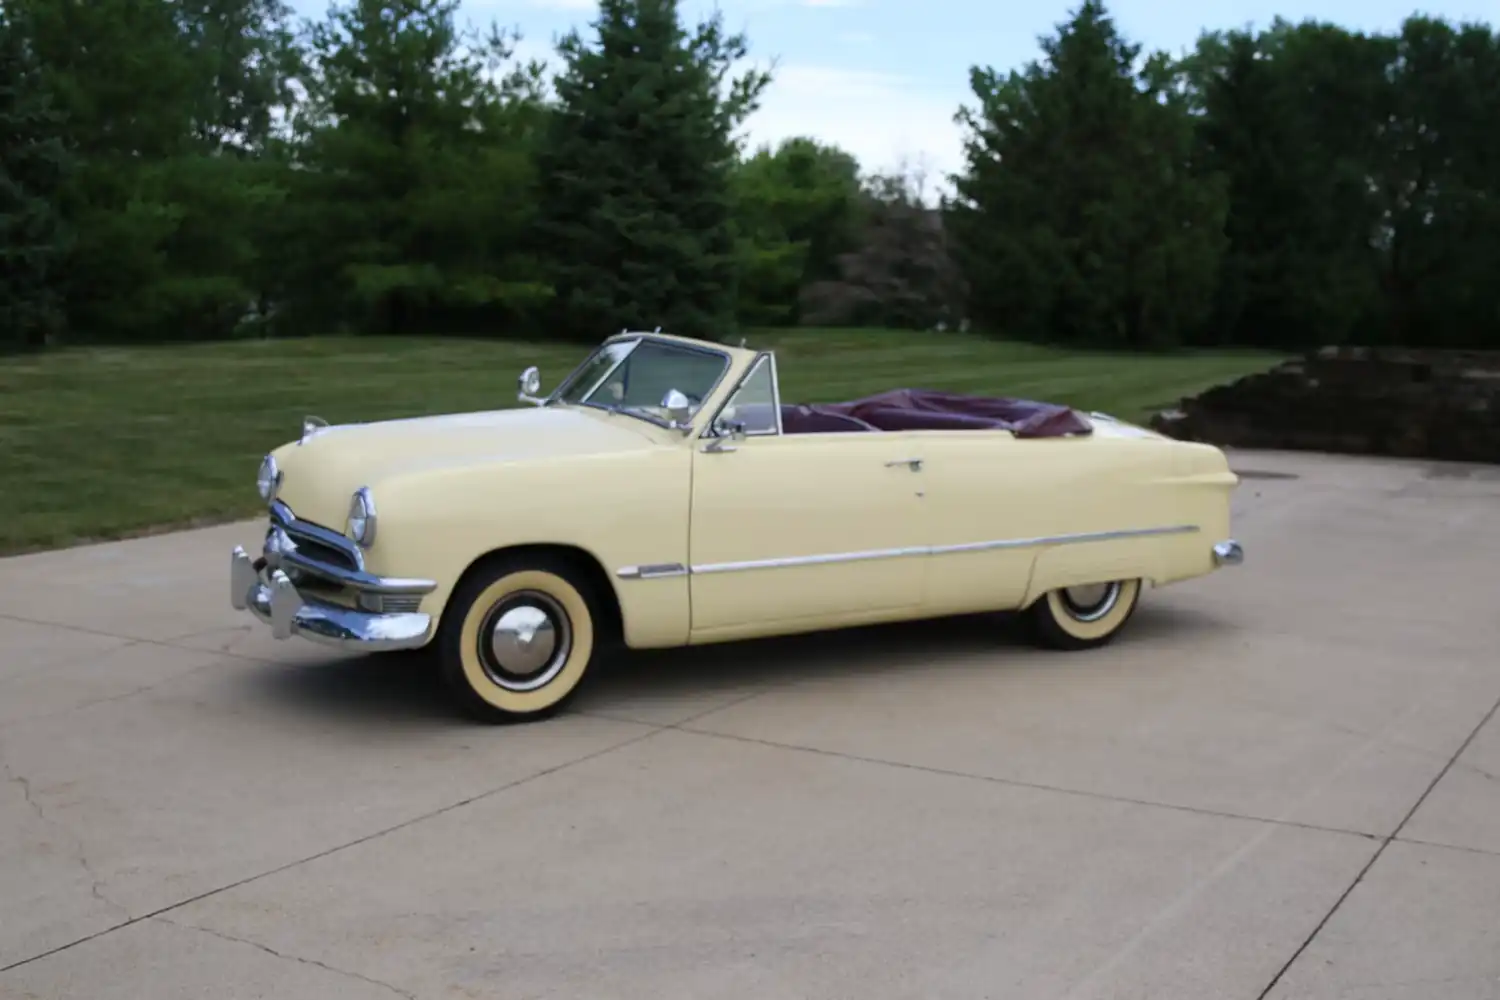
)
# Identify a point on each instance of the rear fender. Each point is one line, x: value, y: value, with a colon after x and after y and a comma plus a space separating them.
x: 1094, y: 562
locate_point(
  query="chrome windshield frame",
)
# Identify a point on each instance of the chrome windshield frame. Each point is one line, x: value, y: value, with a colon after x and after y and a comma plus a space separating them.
x: 555, y: 397
x: 556, y: 394
x: 761, y: 358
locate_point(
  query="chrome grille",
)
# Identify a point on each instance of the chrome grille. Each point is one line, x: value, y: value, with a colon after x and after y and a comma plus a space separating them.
x: 314, y: 548
x: 390, y: 603
x: 315, y: 541
x: 401, y: 602
x: 322, y: 561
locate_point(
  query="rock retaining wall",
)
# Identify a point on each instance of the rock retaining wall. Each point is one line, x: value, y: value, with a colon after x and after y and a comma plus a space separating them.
x: 1419, y: 404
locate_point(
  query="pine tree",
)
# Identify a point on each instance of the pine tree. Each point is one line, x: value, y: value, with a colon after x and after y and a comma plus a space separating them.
x: 34, y: 165
x: 1078, y: 219
x: 636, y: 207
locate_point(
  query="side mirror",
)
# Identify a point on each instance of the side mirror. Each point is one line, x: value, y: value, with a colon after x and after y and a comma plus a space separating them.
x: 679, y: 410
x: 528, y: 385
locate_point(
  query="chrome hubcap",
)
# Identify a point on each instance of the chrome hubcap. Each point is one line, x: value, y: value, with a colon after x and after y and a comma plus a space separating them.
x: 1091, y: 602
x: 524, y: 642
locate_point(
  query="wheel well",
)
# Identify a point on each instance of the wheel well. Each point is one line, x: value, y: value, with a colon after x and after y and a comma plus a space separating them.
x: 589, y: 567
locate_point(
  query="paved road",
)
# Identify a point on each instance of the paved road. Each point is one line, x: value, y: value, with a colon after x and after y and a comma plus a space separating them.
x: 1283, y: 782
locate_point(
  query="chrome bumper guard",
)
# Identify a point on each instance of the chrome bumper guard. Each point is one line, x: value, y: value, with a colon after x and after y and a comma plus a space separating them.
x: 1228, y: 553
x: 269, y: 594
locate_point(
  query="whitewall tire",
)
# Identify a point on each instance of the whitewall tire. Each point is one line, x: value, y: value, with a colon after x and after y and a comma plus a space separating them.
x: 1085, y: 616
x: 518, y: 637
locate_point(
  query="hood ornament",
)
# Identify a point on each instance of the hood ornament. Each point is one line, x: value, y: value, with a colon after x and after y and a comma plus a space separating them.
x: 311, y: 427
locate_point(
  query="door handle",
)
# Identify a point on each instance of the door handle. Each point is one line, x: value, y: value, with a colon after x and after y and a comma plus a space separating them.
x: 915, y: 464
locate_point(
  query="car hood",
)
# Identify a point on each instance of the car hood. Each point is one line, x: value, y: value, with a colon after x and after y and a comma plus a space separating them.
x: 320, y: 474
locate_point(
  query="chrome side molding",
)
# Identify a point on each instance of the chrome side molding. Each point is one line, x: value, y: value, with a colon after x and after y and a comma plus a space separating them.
x: 656, y: 571
x: 787, y: 562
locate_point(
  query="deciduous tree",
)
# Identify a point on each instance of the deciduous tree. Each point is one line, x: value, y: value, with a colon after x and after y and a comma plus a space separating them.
x: 797, y: 209
x: 899, y: 272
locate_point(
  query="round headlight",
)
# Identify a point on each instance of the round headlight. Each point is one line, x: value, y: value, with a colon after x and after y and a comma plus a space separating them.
x: 268, y: 479
x: 362, y: 517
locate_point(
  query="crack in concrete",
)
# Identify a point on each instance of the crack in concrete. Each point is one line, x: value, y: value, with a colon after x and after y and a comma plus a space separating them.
x: 228, y: 648
x: 1032, y: 785
x: 76, y: 628
x: 298, y: 959
x: 237, y: 635
x: 160, y: 913
x: 1386, y: 987
x: 1385, y: 842
x: 142, y: 689
x: 95, y: 882
x: 1478, y: 770
x: 71, y: 661
x: 412, y: 821
x: 136, y: 640
x: 1448, y: 847
x: 111, y: 699
x: 1378, y: 736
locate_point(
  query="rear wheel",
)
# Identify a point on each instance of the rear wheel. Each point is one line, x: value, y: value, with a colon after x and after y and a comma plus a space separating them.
x: 1085, y: 616
x: 518, y: 637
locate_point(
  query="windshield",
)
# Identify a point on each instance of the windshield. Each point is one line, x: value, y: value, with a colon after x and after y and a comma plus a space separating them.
x: 634, y: 376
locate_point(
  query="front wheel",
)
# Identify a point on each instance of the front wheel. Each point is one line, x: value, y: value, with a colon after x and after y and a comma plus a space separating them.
x: 517, y: 638
x: 1086, y: 616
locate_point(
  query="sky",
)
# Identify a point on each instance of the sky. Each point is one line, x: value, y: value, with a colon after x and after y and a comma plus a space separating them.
x: 884, y: 78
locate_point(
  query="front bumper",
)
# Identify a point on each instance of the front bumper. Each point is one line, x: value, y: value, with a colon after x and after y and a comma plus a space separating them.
x: 274, y: 599
x: 299, y: 551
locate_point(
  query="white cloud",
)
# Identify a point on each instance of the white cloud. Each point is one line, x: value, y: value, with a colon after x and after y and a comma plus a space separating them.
x: 880, y: 118
x: 533, y: 48
x: 884, y: 120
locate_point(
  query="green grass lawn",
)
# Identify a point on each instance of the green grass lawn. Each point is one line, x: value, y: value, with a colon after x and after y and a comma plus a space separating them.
x: 102, y: 443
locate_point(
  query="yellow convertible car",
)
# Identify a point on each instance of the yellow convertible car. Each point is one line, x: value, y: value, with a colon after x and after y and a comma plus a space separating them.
x: 664, y: 495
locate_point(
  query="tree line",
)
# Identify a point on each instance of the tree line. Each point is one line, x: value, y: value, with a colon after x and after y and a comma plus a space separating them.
x: 217, y: 169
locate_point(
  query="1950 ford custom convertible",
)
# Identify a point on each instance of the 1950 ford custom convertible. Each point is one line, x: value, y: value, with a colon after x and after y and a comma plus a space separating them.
x: 664, y: 495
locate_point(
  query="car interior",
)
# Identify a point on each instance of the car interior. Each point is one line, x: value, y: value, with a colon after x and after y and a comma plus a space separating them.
x: 920, y: 409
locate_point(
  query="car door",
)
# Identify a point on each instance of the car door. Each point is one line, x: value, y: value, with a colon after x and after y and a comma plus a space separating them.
x: 990, y: 497
x: 803, y: 530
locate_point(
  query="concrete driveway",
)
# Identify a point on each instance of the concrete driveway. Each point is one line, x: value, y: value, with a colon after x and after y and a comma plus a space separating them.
x: 1283, y: 781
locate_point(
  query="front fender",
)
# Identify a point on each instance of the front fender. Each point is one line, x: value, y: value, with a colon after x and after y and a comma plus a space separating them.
x: 623, y: 509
